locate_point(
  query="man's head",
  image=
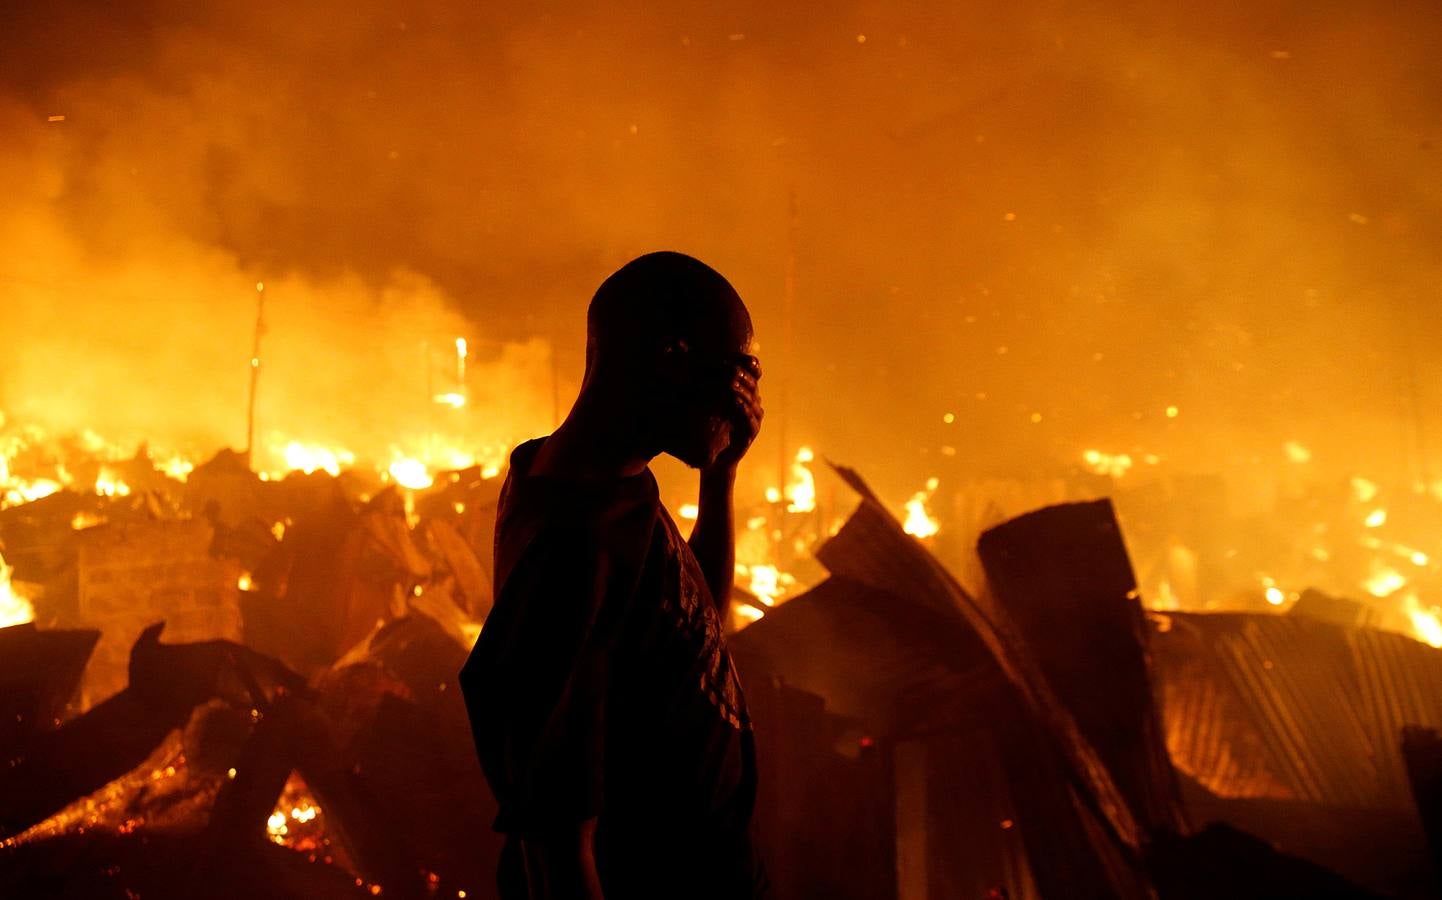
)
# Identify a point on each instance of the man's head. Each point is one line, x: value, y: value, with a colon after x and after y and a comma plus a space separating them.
x: 669, y: 331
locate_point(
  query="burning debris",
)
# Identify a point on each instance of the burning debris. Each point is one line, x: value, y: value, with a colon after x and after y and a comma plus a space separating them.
x: 320, y: 610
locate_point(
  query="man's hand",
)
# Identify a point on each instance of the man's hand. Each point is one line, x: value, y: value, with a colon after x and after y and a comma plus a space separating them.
x: 746, y: 415
x: 713, y: 539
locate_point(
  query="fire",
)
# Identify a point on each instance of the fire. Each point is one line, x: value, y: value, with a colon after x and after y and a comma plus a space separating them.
x: 18, y: 491
x: 14, y: 609
x: 297, y: 821
x: 801, y: 489
x: 765, y: 583
x: 919, y: 521
x: 411, y: 473
x: 1114, y: 465
x: 1384, y: 581
x: 309, y: 458
x: 1426, y: 621
x: 1275, y: 595
x: 177, y: 467
x: 108, y: 484
x: 13, y: 489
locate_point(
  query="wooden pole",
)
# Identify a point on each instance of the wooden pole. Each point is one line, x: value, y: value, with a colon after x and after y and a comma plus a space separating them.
x: 254, y: 373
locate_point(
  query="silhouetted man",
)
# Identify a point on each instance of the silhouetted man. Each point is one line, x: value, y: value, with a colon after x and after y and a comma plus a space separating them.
x: 605, y: 707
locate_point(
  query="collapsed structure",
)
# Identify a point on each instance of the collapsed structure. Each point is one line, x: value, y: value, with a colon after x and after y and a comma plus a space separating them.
x: 297, y: 732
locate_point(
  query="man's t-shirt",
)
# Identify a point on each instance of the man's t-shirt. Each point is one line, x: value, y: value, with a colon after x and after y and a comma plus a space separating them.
x: 601, y: 687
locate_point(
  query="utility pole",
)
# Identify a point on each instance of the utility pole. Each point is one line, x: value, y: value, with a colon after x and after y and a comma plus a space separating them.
x: 783, y: 457
x: 254, y: 373
x: 788, y: 303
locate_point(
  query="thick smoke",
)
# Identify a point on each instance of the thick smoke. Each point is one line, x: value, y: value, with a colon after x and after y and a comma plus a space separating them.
x: 1053, y: 223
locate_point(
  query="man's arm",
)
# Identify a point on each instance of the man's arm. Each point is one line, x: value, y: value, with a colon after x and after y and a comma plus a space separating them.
x: 713, y: 540
x: 565, y: 867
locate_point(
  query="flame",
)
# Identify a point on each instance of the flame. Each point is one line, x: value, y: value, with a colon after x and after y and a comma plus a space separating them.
x: 1426, y: 621
x: 1384, y: 581
x: 310, y: 458
x: 411, y: 473
x: 1274, y: 595
x: 108, y: 484
x: 801, y: 489
x: 14, y: 490
x: 18, y: 491
x: 1376, y: 518
x: 14, y: 609
x: 690, y: 511
x: 83, y: 520
x: 1114, y: 465
x: 177, y: 467
x: 765, y: 583
x: 919, y: 522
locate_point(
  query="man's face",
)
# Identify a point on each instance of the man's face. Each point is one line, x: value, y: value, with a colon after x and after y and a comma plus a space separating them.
x: 701, y: 405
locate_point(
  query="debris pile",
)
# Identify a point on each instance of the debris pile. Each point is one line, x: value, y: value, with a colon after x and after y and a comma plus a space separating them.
x: 298, y: 732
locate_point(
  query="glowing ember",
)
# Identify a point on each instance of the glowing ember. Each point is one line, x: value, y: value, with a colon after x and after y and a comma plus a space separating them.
x: 1365, y: 491
x: 919, y: 521
x: 1275, y: 595
x: 296, y: 821
x: 14, y: 609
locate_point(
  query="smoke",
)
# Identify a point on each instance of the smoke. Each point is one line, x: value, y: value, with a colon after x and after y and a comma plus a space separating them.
x: 1055, y: 224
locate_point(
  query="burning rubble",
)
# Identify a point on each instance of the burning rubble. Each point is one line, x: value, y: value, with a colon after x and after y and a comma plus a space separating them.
x: 298, y: 728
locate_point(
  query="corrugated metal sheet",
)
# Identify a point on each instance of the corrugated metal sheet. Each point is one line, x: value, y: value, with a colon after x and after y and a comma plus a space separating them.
x: 1292, y: 708
x: 872, y: 548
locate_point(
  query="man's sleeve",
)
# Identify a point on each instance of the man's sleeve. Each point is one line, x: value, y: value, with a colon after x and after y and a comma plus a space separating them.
x: 536, y: 683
